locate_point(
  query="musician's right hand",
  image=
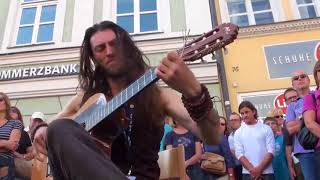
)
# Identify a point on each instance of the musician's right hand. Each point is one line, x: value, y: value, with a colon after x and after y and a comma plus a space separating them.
x: 39, y: 144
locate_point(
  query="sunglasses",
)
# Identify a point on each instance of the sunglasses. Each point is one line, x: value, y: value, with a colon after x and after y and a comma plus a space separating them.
x: 301, y: 76
x: 291, y: 99
x: 280, y: 116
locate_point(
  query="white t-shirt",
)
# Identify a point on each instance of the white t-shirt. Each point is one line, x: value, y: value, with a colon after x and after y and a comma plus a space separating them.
x: 231, y: 141
x: 254, y: 142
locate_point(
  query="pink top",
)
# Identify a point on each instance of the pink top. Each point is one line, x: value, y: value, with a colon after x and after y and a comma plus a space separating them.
x: 308, y: 104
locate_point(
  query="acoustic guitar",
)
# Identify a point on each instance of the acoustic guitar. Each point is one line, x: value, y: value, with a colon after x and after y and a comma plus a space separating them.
x: 97, y: 108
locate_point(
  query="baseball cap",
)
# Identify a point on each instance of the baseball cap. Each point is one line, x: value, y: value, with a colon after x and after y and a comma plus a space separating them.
x: 38, y: 115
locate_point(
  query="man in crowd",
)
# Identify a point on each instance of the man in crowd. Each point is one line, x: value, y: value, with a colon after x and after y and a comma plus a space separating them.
x: 301, y: 83
x: 291, y: 95
x: 254, y: 145
x: 235, y: 123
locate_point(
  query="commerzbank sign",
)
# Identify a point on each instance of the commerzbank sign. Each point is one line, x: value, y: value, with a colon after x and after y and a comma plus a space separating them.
x: 17, y: 73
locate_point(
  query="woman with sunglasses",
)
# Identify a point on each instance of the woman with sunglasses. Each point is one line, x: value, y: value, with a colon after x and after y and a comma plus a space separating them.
x: 10, y: 132
x: 311, y: 113
x: 222, y: 149
x: 277, y: 113
x: 23, y: 154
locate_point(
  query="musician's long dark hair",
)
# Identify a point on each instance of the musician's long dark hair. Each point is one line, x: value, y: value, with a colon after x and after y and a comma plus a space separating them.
x: 92, y: 77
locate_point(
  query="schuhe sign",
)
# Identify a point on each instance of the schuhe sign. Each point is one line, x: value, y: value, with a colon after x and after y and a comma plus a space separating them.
x: 283, y: 59
x: 38, y: 72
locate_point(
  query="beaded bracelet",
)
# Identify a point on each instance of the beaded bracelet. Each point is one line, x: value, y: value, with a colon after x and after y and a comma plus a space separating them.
x: 199, y: 106
x: 36, y: 128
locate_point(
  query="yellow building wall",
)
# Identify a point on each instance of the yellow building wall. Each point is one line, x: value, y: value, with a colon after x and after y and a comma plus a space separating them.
x: 247, y: 55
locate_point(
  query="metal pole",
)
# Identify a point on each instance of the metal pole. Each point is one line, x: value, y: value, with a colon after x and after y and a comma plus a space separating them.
x: 220, y: 65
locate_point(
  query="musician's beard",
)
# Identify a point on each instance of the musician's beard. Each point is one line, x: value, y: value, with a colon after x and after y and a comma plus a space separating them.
x: 119, y: 71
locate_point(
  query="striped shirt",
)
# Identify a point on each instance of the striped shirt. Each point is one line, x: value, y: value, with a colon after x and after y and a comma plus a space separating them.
x: 5, y: 131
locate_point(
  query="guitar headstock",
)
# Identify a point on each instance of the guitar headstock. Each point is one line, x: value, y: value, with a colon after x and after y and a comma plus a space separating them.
x: 209, y: 42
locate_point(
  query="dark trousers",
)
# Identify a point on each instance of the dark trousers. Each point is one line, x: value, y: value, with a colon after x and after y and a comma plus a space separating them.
x: 317, y: 162
x: 74, y: 155
x: 263, y: 177
x: 238, y: 172
x: 7, y: 162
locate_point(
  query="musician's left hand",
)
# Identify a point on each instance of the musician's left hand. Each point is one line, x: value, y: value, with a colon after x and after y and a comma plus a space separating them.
x: 178, y: 76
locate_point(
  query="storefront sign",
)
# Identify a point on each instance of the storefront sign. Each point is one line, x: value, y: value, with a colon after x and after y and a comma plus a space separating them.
x: 38, y: 71
x: 279, y: 102
x: 283, y: 59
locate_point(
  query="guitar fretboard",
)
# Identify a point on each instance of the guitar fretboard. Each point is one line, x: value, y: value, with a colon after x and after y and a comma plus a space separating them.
x: 117, y: 101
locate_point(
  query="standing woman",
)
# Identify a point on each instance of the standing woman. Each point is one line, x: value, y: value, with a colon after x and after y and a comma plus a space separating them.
x: 192, y: 149
x: 222, y: 149
x: 23, y: 154
x: 10, y: 132
x: 311, y: 113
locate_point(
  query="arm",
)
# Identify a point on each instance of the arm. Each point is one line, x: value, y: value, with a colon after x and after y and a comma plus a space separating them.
x: 207, y: 130
x: 227, y: 156
x: 13, y: 142
x: 174, y: 72
x: 196, y: 157
x: 245, y: 163
x: 239, y: 151
x: 293, y: 124
x: 72, y: 106
x: 310, y: 121
x: 309, y: 113
x: 290, y: 162
x: 40, y: 135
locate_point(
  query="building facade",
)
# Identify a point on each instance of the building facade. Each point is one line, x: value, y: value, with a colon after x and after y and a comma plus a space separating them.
x: 276, y: 37
x: 40, y: 40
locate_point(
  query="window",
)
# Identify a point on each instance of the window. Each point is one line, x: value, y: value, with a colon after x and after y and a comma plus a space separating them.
x: 308, y: 8
x: 249, y: 12
x: 137, y: 15
x: 36, y: 22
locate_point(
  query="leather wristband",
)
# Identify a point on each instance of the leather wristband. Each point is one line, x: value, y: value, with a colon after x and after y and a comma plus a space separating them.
x: 199, y: 106
x: 36, y: 128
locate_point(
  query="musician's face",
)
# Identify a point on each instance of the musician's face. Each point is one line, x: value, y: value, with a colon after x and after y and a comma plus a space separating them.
x: 105, y: 48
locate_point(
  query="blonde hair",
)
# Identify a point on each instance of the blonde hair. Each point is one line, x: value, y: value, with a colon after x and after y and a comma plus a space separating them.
x: 275, y: 111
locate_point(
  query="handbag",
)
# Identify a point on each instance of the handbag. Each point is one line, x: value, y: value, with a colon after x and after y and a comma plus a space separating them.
x: 305, y: 137
x: 213, y: 163
x: 22, y: 168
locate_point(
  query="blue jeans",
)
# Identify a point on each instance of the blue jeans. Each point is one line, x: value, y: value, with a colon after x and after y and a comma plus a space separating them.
x: 308, y: 166
x: 195, y: 172
x: 7, y: 162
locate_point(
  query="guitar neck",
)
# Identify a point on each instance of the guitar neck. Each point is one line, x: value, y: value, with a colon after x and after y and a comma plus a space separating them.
x: 96, y: 114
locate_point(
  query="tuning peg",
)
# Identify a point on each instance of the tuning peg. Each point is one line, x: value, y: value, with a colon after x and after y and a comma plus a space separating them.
x: 225, y: 50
